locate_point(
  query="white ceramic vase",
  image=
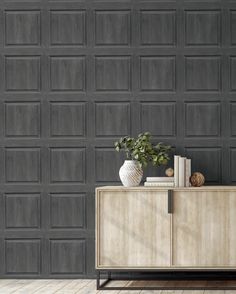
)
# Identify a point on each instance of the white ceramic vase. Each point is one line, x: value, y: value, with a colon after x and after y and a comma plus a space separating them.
x: 131, y: 173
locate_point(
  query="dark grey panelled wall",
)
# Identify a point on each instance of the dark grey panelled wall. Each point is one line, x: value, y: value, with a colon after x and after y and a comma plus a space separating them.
x: 76, y: 75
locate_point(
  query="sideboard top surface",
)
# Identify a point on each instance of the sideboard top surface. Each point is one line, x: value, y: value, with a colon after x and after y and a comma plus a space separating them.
x: 195, y: 189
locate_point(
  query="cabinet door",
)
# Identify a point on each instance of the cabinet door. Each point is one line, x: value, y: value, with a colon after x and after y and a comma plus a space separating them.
x: 133, y: 229
x: 204, y: 229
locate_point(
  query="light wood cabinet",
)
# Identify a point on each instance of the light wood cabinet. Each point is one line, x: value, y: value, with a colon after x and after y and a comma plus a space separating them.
x: 142, y: 227
x: 204, y: 229
x: 133, y: 229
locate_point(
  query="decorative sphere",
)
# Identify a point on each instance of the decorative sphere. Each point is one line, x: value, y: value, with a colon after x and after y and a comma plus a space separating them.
x: 169, y: 172
x: 197, y: 179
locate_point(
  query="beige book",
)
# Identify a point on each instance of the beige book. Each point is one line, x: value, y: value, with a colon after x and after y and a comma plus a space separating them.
x: 182, y: 171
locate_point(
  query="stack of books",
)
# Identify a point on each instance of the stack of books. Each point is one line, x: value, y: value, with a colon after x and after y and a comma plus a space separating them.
x: 182, y: 171
x: 159, y: 181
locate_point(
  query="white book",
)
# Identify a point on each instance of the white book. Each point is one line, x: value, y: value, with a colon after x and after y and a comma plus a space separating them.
x: 176, y: 170
x: 160, y: 179
x: 182, y: 171
x: 159, y: 184
x: 187, y: 172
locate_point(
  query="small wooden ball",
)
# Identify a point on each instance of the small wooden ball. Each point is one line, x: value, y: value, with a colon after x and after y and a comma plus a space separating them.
x: 197, y: 179
x: 169, y: 172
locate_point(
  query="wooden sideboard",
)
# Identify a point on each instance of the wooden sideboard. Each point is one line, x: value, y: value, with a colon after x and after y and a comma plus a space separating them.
x: 156, y: 228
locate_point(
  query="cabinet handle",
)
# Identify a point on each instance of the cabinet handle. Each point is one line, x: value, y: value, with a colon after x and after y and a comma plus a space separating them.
x: 170, y: 201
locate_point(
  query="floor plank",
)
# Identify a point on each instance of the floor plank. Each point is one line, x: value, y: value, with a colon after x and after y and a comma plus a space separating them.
x: 13, y: 286
x: 78, y: 286
x: 73, y: 286
x: 90, y: 288
x: 193, y: 291
x: 6, y: 281
x: 214, y: 292
x: 31, y: 286
x: 151, y: 292
x: 51, y: 287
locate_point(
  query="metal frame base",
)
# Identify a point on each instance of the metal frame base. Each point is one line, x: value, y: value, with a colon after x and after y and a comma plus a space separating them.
x: 104, y: 284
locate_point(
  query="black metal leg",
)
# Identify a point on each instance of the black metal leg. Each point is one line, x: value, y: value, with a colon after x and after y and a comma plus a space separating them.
x: 98, y: 280
x: 103, y: 284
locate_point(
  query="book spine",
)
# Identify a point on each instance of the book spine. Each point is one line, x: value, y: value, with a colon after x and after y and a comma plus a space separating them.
x: 176, y: 170
x: 188, y: 172
x: 159, y: 184
x: 182, y: 172
x: 160, y: 179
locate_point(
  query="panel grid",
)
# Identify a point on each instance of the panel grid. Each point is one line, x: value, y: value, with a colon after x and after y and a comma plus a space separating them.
x: 77, y: 76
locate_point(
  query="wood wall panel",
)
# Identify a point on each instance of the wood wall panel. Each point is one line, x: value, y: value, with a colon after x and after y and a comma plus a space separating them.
x: 112, y: 73
x: 158, y: 27
x: 67, y: 28
x: 22, y: 165
x: 67, y: 256
x: 203, y: 73
x: 23, y: 211
x: 22, y: 257
x: 67, y: 119
x: 118, y: 115
x: 22, y: 28
x: 112, y: 28
x: 157, y: 73
x: 202, y: 119
x: 67, y: 165
x: 67, y: 73
x: 77, y: 75
x: 67, y: 210
x: 22, y: 73
x: 158, y: 118
x: 22, y: 119
x: 202, y: 27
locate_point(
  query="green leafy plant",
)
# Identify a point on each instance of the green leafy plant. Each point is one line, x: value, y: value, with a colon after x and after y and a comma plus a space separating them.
x: 142, y: 150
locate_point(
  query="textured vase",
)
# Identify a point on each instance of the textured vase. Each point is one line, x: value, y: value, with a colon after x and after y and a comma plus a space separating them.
x: 131, y: 173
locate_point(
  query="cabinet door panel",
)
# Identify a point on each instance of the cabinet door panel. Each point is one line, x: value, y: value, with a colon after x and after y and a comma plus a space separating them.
x: 133, y: 229
x: 204, y: 230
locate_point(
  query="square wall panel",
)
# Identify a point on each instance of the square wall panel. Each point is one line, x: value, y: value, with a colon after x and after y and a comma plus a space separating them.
x: 107, y: 164
x: 22, y: 165
x: 202, y: 119
x: 157, y: 73
x: 22, y: 73
x: 22, y: 211
x: 233, y: 26
x: 207, y: 161
x: 67, y: 27
x: 158, y: 27
x: 233, y: 73
x: 112, y: 73
x: 22, y: 28
x: 112, y: 119
x: 22, y: 119
x: 67, y: 73
x: 158, y: 118
x: 67, y: 165
x: 202, y: 27
x: 202, y: 73
x: 112, y: 27
x: 22, y: 256
x: 67, y: 210
x: 67, y: 119
x: 67, y: 256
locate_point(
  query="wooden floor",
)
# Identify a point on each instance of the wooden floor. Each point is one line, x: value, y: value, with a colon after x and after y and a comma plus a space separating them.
x: 89, y: 287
